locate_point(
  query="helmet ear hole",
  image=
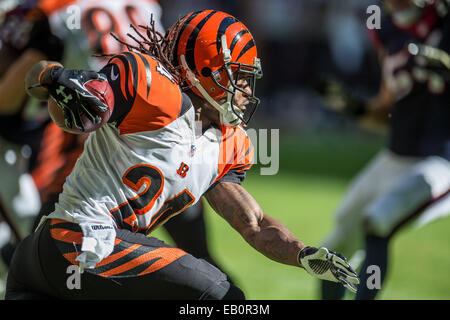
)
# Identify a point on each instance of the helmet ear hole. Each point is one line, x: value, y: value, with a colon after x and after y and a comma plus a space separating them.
x: 206, y: 72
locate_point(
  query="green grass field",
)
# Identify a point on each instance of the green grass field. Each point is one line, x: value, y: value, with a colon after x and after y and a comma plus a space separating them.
x: 303, y: 195
x: 313, y: 176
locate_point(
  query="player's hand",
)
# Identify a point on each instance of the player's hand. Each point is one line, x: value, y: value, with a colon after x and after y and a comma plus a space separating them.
x: 67, y: 88
x: 431, y: 58
x: 327, y: 265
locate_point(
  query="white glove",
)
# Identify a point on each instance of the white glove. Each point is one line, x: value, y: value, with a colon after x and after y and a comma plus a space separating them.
x: 327, y: 265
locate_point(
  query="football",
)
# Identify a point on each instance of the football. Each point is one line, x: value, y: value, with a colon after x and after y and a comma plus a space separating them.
x: 103, y: 91
x: 31, y: 79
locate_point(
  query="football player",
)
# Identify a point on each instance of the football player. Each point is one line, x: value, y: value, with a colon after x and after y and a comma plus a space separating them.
x: 88, y: 28
x: 410, y: 178
x: 25, y: 39
x: 175, y: 107
x: 54, y: 152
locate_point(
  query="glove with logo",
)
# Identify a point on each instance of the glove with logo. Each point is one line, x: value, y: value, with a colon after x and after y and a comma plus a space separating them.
x: 327, y: 265
x: 68, y: 89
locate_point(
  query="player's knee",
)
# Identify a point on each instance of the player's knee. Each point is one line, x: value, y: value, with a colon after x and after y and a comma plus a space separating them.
x: 223, y: 291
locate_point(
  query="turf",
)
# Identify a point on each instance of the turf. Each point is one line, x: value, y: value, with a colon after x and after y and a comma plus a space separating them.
x: 313, y: 177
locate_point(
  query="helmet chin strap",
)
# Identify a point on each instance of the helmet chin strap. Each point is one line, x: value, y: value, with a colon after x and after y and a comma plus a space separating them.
x: 227, y: 116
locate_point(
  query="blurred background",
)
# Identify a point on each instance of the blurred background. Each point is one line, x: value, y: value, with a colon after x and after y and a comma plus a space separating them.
x: 301, y: 43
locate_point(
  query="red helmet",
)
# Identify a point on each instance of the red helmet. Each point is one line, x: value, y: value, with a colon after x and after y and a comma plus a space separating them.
x: 215, y: 51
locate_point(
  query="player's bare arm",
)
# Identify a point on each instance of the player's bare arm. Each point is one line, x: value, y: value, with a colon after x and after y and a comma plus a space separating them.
x: 273, y: 239
x: 266, y: 234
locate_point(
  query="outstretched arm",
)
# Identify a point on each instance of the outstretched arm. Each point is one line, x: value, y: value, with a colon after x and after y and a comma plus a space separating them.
x: 273, y: 239
x: 266, y: 234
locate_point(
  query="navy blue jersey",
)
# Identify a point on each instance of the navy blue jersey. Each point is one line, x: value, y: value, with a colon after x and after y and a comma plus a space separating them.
x: 420, y: 123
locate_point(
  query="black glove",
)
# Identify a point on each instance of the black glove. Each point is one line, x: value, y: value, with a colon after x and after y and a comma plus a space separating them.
x: 67, y: 88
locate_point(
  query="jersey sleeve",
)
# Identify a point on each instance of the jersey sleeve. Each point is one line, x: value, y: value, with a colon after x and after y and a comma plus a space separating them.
x: 145, y: 94
x: 236, y: 155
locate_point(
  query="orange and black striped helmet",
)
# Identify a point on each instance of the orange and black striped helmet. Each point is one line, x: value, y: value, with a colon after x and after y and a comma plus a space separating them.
x: 216, y: 51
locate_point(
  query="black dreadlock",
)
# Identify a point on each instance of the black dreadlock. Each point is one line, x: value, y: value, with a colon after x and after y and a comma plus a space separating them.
x: 161, y: 47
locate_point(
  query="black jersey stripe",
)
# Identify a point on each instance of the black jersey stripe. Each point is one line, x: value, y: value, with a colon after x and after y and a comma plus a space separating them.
x: 148, y: 72
x: 66, y: 225
x: 186, y: 104
x: 127, y: 74
x: 65, y: 247
x: 190, y: 46
x: 137, y: 252
x: 136, y: 270
x: 135, y: 71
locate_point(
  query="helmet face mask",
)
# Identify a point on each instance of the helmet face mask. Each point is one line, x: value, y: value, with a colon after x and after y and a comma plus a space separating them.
x: 242, y: 72
x: 217, y: 52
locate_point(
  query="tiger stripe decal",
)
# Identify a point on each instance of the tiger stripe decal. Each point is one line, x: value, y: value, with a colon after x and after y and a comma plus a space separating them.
x: 190, y: 54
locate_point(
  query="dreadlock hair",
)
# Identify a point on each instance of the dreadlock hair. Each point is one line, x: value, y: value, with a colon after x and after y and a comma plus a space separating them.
x: 153, y: 43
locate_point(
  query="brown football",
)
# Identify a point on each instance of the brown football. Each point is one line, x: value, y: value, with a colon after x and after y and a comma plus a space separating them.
x: 103, y: 91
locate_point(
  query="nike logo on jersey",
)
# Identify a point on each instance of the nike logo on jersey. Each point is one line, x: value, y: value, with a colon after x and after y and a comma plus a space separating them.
x: 113, y: 76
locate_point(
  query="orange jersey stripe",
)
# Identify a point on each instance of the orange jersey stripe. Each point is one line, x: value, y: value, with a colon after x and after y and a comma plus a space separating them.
x: 65, y: 235
x: 235, y: 152
x: 50, y: 6
x: 152, y: 99
x: 169, y: 256
x: 71, y: 256
x: 117, y: 255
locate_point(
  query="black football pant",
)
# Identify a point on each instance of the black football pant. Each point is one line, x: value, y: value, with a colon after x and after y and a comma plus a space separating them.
x: 140, y: 267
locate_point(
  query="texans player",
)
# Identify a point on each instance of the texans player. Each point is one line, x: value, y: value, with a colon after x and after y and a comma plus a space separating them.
x: 410, y: 178
x: 150, y: 161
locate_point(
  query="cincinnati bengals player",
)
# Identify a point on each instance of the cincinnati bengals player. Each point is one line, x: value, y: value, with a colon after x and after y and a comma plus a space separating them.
x: 55, y: 152
x: 152, y: 160
x: 97, y: 20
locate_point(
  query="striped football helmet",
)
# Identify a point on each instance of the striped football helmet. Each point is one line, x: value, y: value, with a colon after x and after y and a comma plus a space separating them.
x: 215, y: 51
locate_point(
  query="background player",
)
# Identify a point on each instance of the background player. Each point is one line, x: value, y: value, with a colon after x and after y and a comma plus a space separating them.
x: 413, y: 173
x: 101, y: 231
x: 25, y: 39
